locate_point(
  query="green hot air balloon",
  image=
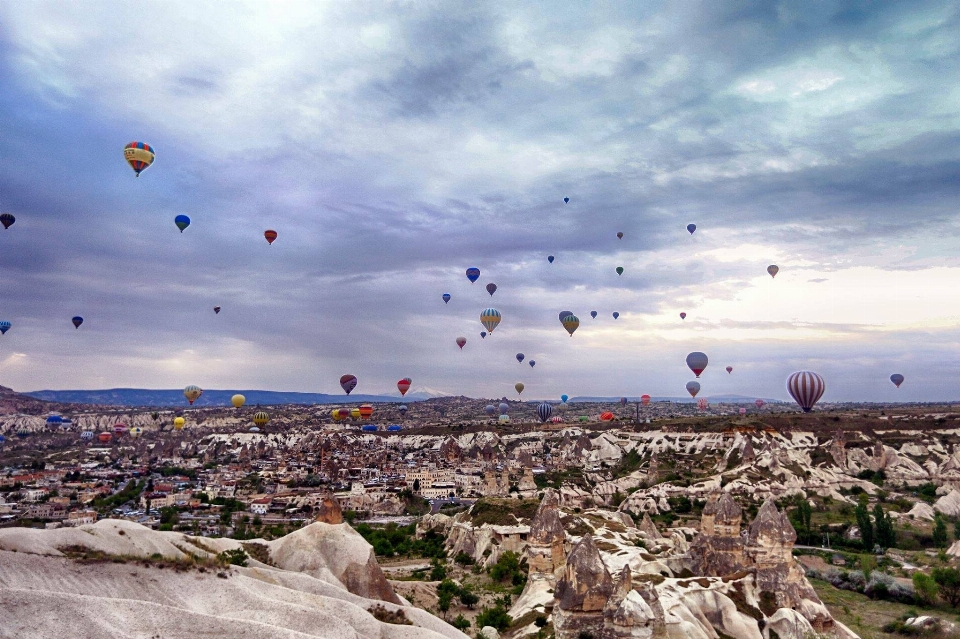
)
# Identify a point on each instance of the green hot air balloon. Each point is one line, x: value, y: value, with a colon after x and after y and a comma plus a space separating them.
x: 619, y: 270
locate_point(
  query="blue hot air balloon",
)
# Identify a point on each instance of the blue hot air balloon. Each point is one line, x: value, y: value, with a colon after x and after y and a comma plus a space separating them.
x: 394, y: 428
x: 490, y: 410
x: 691, y: 228
x: 544, y: 411
x: 54, y: 420
x: 564, y: 398
x: 593, y: 314
x: 4, y: 327
x: 532, y: 363
x: 473, y: 274
x: 483, y: 334
x: 182, y: 222
x: 550, y: 259
x: 402, y: 408
x: 565, y: 200
x: 77, y: 321
x: 2, y: 440
x: 446, y: 297
x: 504, y: 408
x: 616, y: 315
x: 520, y: 357
x: 369, y: 428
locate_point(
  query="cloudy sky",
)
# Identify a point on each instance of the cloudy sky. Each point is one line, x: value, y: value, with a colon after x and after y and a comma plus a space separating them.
x: 394, y: 145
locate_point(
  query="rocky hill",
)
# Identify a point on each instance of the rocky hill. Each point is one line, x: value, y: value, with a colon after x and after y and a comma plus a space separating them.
x: 117, y: 578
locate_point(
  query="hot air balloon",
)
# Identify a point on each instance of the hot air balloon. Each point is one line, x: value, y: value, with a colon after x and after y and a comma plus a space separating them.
x: 490, y: 409
x: 182, y: 222
x: 729, y: 369
x: 623, y: 401
x: 54, y: 420
x: 556, y: 420
x: 7, y: 220
x: 85, y: 435
x: 490, y: 318
x: 606, y: 416
x: 593, y: 314
x: 402, y: 408
x: 697, y: 361
x: 773, y: 269
x: 645, y: 399
x: 564, y: 314
x: 338, y: 414
x: 565, y: 200
x: 619, y: 235
x: 897, y: 379
x: 564, y: 398
x: 238, y: 401
x: 743, y: 411
x: 404, y: 385
x: 806, y: 387
x: 216, y: 310
x: 520, y: 357
x: 571, y: 323
x: 533, y: 363
x: 355, y: 413
x: 260, y: 418
x: 253, y: 429
x: 550, y: 259
x: 504, y: 419
x: 703, y: 404
x: 693, y: 388
x: 691, y: 228
x: 394, y: 428
x: 683, y: 316
x: 619, y: 270
x: 446, y: 298
x: 759, y: 403
x: 544, y: 411
x: 483, y: 334
x: 139, y: 156
x: 4, y: 327
x: 616, y: 315
x: 192, y: 393
x: 504, y: 408
x: 77, y: 321
x: 136, y: 431
x: 473, y: 274
x: 461, y: 341
x: 348, y: 383
x: 104, y: 437
x: 366, y: 411
x: 270, y: 235
x: 519, y: 386
x: 491, y: 288
x: 178, y: 423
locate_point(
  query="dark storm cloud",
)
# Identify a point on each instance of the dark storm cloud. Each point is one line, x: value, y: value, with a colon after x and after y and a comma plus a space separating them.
x: 394, y: 146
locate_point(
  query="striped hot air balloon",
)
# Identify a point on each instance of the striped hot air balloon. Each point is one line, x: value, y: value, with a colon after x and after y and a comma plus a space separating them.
x: 270, y: 235
x: 139, y: 155
x: 7, y: 220
x: 192, y: 393
x: 105, y: 437
x: 260, y: 418
x: 473, y: 274
x: 544, y: 411
x: 703, y: 404
x: 806, y: 388
x: 404, y: 385
x: 490, y: 319
x: 366, y: 411
x: 571, y: 323
x: 606, y: 416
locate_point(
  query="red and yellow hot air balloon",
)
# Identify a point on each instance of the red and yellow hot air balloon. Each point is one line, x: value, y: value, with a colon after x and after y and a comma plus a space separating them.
x: 606, y: 416
x: 404, y: 385
x: 270, y: 235
x: 139, y: 155
x: 645, y: 399
x: 366, y: 410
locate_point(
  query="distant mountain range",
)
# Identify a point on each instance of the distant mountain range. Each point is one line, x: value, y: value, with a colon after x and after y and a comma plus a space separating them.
x: 174, y: 397
x: 714, y: 399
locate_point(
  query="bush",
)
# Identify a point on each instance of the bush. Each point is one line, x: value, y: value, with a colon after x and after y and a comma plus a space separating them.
x: 496, y: 617
x: 235, y: 557
x: 924, y: 588
x: 461, y: 623
x: 463, y: 559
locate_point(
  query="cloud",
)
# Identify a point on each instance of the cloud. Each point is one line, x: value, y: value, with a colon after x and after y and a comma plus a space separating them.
x: 394, y: 145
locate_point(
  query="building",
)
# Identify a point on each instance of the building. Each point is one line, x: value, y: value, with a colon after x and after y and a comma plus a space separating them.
x: 260, y: 506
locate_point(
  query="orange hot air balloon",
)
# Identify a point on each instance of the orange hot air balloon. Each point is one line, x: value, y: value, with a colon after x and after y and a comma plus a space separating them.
x: 366, y: 410
x: 271, y: 235
x: 404, y: 385
x: 606, y: 417
x: 645, y: 399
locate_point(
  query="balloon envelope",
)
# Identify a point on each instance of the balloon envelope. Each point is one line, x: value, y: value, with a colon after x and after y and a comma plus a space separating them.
x: 178, y: 423
x: 564, y: 398
x: 759, y: 403
x: 550, y: 259
x: 491, y: 288
x: 504, y: 408
x: 729, y: 369
x: 77, y: 321
x: 139, y: 155
x: 897, y: 379
x: 182, y: 222
x: 7, y: 220
x: 623, y: 401
x: 404, y: 385
x: 402, y: 408
x: 619, y: 235
x: 806, y: 388
x: 565, y: 200
x: 366, y: 410
x: 238, y: 401
x: 683, y: 316
x: 519, y: 386
x: 773, y: 269
x: 544, y: 411
x: 270, y: 235
x: 520, y: 357
x: 619, y: 270
x: 483, y: 334
x: 490, y: 319
x: 192, y: 393
x: 571, y: 323
x: 533, y: 363
x: 4, y: 327
x: 691, y: 228
x: 446, y: 297
x: 593, y: 314
x: 693, y: 388
x: 490, y: 409
x: 616, y: 315
x: 260, y: 418
x: 216, y: 310
x: 743, y: 411
x: 645, y: 399
x: 564, y: 314
x: 473, y: 274
x: 606, y: 416
x: 461, y: 341
x: 348, y: 383
x: 697, y: 361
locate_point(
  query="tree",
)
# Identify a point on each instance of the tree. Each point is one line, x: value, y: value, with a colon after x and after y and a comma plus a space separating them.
x: 864, y: 524
x: 461, y: 623
x: 496, y: 617
x: 885, y: 534
x: 416, y: 485
x: 468, y: 599
x: 956, y: 530
x: 939, y: 531
x: 924, y: 588
x: 948, y: 584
